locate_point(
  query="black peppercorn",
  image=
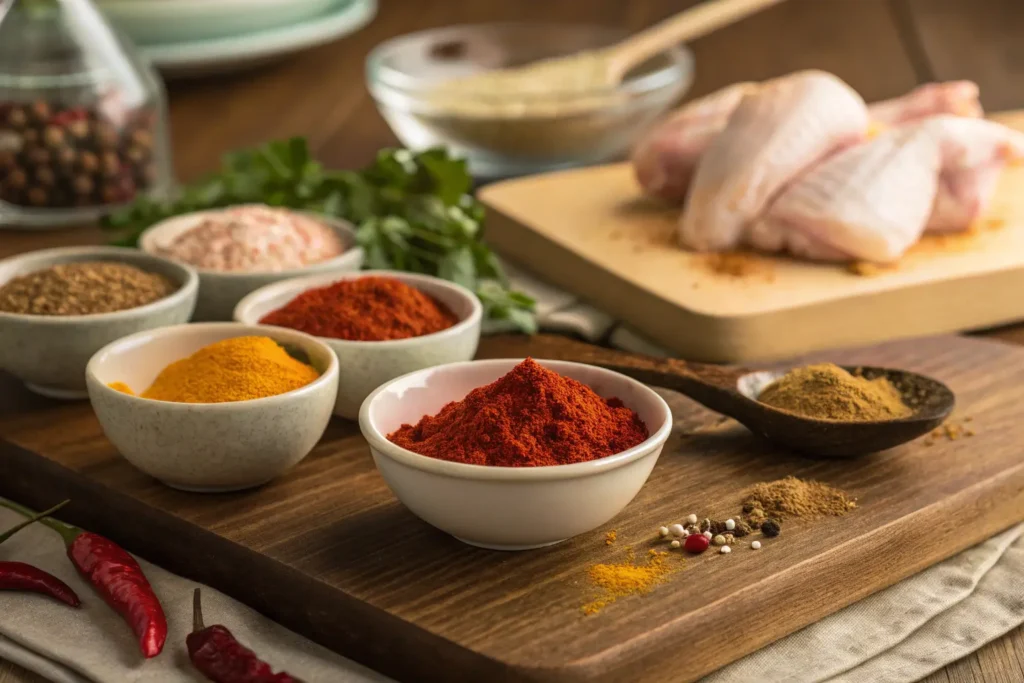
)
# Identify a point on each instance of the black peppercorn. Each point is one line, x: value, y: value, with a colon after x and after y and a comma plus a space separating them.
x: 40, y: 111
x: 83, y: 185
x: 110, y: 164
x: 37, y: 196
x: 66, y: 157
x: 17, y: 179
x: 53, y: 136
x: 38, y: 156
x: 29, y: 136
x: 17, y: 118
x: 771, y: 528
x: 89, y: 162
x: 8, y: 159
x: 105, y: 135
x: 79, y: 129
x: 45, y: 176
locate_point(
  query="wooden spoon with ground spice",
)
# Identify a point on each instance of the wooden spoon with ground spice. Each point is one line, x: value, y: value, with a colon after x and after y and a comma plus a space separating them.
x: 819, y: 411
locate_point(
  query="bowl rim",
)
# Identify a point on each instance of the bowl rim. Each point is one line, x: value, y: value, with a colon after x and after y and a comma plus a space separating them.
x: 329, y: 374
x: 378, y: 75
x: 342, y: 227
x: 187, y: 276
x: 379, y: 442
x: 302, y: 284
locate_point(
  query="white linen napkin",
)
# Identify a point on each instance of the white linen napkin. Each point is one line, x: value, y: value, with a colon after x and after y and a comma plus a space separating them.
x: 898, y: 635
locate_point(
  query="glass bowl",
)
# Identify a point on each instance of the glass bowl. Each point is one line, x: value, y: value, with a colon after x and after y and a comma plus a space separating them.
x: 513, y: 134
x: 83, y: 119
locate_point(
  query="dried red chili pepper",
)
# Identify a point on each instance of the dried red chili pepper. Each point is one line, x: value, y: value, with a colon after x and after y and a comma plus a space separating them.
x: 18, y: 576
x: 221, y: 658
x: 117, y: 577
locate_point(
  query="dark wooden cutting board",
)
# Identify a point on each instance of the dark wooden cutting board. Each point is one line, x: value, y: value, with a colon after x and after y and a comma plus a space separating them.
x: 327, y: 550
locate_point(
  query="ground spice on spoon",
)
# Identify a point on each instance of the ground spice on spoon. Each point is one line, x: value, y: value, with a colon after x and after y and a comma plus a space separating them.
x: 828, y: 392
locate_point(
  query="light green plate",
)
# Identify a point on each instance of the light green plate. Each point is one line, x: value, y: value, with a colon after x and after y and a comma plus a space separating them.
x: 210, y: 56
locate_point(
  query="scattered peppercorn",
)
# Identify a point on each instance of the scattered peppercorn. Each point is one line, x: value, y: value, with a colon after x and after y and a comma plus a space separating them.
x: 674, y: 544
x: 725, y: 550
x: 696, y: 543
x: 756, y: 545
x: 771, y: 528
x: 692, y: 519
x: 742, y: 529
x: 677, y: 529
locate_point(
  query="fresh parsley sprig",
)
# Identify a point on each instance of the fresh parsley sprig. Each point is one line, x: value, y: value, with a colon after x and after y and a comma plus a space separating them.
x: 413, y: 212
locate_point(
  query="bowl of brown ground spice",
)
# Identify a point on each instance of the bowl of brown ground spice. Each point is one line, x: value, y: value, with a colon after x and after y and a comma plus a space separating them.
x: 59, y: 306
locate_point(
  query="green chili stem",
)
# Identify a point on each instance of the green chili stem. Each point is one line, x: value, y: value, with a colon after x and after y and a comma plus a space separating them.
x: 32, y: 520
x: 67, y: 532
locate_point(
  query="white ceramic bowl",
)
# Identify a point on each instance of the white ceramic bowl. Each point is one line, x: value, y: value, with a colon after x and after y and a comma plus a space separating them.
x: 365, y: 365
x: 508, y: 508
x: 220, y: 291
x: 208, y: 446
x: 49, y: 353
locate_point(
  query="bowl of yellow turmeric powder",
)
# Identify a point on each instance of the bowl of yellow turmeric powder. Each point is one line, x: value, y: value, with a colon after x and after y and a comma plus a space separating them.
x: 212, y: 407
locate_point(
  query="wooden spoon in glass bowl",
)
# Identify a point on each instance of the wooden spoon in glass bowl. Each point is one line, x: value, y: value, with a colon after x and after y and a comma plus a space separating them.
x: 601, y: 70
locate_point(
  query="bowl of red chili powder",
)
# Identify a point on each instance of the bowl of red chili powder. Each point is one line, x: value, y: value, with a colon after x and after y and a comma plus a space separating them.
x: 380, y: 324
x: 515, y: 454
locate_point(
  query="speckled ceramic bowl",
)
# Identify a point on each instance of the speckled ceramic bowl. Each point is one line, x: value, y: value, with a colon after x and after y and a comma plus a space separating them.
x: 220, y: 291
x: 208, y: 447
x: 365, y: 365
x: 509, y: 508
x: 49, y: 353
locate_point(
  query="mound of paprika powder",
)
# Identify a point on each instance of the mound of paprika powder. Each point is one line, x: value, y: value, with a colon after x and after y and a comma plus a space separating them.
x: 371, y: 308
x: 528, y: 418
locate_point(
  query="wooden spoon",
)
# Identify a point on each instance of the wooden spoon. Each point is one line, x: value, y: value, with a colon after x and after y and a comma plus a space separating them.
x: 733, y: 391
x: 605, y: 68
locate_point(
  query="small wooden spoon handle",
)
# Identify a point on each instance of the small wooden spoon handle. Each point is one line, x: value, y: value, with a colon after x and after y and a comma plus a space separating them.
x: 693, y: 23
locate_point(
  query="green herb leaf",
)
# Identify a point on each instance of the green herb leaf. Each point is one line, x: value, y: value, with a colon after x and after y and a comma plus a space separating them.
x: 413, y: 211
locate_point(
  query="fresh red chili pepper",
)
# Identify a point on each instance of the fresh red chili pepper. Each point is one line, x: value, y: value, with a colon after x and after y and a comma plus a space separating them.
x: 117, y: 577
x: 221, y: 658
x: 18, y: 576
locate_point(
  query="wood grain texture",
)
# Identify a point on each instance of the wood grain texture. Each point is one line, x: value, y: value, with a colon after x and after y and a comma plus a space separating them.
x: 331, y: 554
x: 855, y: 38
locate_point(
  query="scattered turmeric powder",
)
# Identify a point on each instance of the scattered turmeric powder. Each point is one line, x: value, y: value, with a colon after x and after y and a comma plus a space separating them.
x: 236, y: 369
x: 619, y: 580
x: 609, y: 537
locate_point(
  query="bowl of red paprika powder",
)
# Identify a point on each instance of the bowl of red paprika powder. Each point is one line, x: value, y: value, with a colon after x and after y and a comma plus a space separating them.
x: 529, y: 416
x: 381, y: 324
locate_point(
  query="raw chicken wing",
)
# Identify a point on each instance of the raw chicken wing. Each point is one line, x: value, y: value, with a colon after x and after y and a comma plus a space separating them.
x: 776, y: 133
x: 872, y: 201
x: 664, y: 161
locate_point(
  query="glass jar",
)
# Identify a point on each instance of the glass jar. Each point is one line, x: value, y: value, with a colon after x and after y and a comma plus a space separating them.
x: 83, y: 118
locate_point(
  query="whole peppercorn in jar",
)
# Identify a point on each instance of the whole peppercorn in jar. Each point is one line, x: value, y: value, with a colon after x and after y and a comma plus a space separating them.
x: 82, y: 118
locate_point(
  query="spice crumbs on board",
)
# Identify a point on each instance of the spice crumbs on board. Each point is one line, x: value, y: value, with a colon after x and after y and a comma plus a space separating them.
x: 792, y: 496
x: 609, y: 538
x: 627, y: 578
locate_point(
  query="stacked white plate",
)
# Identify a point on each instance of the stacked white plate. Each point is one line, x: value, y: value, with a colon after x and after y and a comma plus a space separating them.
x: 200, y: 37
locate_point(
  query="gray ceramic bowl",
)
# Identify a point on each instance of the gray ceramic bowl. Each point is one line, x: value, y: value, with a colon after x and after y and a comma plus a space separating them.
x: 49, y: 353
x: 208, y: 447
x: 220, y: 291
x: 365, y: 365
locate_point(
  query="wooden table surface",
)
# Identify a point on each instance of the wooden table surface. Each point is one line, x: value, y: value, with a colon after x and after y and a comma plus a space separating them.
x: 881, y: 47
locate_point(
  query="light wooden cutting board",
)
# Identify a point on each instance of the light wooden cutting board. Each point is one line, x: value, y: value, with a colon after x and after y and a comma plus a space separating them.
x: 592, y: 232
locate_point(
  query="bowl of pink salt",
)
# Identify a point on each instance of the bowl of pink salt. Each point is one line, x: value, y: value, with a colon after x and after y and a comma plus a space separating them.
x: 238, y: 249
